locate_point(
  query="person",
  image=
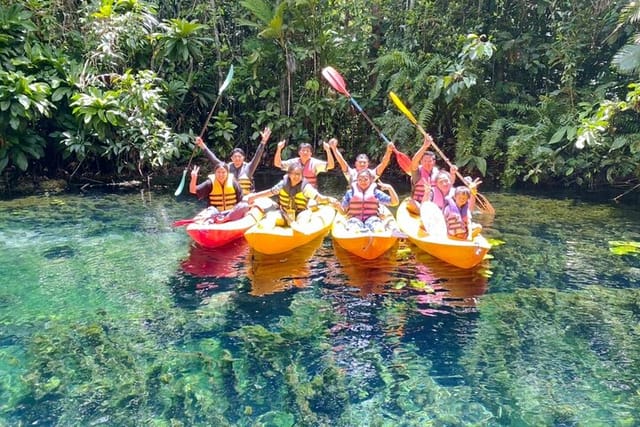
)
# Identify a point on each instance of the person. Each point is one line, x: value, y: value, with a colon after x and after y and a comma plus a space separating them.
x: 361, y: 163
x: 295, y: 195
x: 362, y: 202
x: 238, y: 167
x: 457, y: 215
x: 223, y: 193
x: 424, y: 174
x: 442, y: 189
x: 311, y: 166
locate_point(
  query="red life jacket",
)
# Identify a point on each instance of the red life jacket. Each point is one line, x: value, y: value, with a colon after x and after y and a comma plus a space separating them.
x: 309, y: 173
x: 425, y: 178
x: 363, y: 205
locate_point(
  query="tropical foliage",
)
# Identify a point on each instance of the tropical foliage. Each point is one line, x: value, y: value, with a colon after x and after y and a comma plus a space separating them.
x: 544, y: 93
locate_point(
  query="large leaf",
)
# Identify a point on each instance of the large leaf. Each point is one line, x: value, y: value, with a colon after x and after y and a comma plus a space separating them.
x: 627, y: 59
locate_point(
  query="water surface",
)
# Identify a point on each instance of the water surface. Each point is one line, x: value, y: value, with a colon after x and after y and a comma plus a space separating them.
x: 109, y: 316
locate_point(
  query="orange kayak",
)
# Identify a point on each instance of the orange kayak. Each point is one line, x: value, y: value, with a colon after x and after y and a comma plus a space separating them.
x: 460, y: 253
x: 268, y: 238
x: 211, y: 235
x: 366, y: 244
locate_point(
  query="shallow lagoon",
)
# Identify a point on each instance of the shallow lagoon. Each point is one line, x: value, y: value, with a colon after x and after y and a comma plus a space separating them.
x: 108, y: 316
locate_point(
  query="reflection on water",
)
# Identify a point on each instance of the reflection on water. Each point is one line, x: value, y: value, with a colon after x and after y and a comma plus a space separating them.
x: 107, y: 314
x: 216, y: 262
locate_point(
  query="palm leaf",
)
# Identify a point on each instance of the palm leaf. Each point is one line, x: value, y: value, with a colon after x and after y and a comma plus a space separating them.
x: 627, y: 59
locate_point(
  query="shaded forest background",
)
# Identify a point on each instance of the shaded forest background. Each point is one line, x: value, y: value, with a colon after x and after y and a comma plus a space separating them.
x: 539, y: 92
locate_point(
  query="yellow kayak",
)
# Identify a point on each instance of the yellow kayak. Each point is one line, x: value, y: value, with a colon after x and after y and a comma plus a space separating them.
x: 366, y: 244
x: 267, y: 238
x: 460, y: 253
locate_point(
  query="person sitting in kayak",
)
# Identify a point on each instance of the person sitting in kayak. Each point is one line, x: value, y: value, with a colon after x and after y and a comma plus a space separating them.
x: 361, y: 163
x: 311, y: 166
x: 457, y: 214
x: 223, y: 193
x: 442, y: 189
x: 362, y: 201
x: 295, y: 195
x: 424, y: 175
x: 238, y: 167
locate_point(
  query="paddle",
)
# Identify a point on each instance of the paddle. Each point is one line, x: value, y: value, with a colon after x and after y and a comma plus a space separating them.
x: 223, y: 86
x: 181, y: 222
x: 337, y: 82
x: 483, y: 203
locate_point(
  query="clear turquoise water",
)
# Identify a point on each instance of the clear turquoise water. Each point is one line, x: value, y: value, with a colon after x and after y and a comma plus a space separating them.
x: 109, y: 316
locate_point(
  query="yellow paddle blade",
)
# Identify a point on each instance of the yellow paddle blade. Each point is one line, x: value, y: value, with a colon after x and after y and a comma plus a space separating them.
x: 402, y: 107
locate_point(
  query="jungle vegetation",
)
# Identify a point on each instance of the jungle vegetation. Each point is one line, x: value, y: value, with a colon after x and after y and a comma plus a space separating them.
x: 518, y: 92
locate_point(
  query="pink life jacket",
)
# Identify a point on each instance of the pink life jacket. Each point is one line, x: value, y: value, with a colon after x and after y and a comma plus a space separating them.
x: 456, y: 218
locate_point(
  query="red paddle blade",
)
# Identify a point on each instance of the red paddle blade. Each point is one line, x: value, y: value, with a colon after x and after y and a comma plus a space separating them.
x: 404, y: 161
x: 335, y: 80
x: 182, y: 222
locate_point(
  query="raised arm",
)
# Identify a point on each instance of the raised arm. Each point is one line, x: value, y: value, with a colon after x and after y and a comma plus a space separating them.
x: 338, y: 155
x: 277, y: 158
x: 193, y: 184
x: 264, y: 138
x: 385, y: 159
x: 327, y: 148
x: 395, y: 200
x: 415, y: 161
x: 212, y: 157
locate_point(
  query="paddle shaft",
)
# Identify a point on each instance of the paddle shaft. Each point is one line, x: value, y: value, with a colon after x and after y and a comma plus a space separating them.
x: 485, y: 204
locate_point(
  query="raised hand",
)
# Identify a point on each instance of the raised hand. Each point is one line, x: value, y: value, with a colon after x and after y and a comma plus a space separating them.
x: 265, y: 135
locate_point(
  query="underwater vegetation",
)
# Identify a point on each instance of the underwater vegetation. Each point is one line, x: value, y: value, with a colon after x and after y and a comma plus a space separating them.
x: 101, y: 326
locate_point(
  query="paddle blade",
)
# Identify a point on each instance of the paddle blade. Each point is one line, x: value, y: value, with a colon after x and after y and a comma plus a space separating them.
x: 335, y: 80
x: 182, y: 181
x: 403, y: 108
x: 227, y: 80
x: 404, y: 161
x: 182, y: 222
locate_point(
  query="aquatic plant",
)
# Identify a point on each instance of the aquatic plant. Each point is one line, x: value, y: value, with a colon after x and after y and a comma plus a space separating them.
x: 550, y: 357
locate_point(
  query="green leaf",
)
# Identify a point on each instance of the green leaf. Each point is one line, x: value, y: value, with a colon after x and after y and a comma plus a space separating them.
x: 558, y: 135
x: 20, y: 160
x: 24, y: 101
x: 624, y: 248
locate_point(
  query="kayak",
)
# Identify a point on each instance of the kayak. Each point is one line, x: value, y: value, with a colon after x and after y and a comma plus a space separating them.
x: 366, y: 244
x: 212, y: 235
x: 267, y: 238
x: 430, y: 235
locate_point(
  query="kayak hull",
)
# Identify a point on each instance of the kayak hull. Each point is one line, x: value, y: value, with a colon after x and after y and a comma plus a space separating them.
x: 212, y: 235
x: 367, y: 244
x: 460, y: 253
x: 270, y: 239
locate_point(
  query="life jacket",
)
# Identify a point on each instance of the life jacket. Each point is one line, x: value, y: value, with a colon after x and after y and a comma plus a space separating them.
x: 456, y: 218
x: 241, y: 174
x: 222, y: 197
x: 309, y: 173
x: 291, y: 198
x: 438, y: 197
x: 425, y: 179
x: 363, y: 205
